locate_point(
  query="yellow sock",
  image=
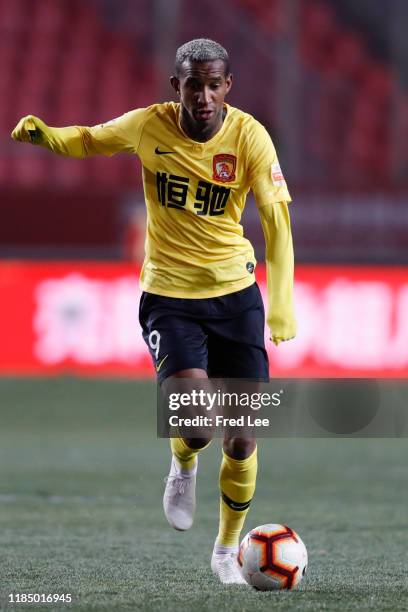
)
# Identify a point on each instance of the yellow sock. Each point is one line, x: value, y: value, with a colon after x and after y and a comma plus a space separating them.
x: 185, y: 455
x: 237, y: 484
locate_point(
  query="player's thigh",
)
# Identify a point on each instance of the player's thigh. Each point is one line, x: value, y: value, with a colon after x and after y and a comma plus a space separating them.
x: 176, y: 342
x: 236, y: 343
x: 234, y: 359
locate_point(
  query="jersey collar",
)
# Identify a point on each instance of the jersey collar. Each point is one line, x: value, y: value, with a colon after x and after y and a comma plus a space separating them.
x: 215, y: 137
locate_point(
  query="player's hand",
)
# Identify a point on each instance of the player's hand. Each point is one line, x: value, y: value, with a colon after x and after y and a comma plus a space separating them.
x: 278, y: 339
x: 282, y: 329
x: 30, y: 129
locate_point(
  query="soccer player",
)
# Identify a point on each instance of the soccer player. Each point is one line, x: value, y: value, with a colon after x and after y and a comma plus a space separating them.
x: 201, y: 310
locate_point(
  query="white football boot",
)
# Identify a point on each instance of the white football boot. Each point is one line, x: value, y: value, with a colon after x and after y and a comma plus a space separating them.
x: 179, y: 496
x: 225, y: 566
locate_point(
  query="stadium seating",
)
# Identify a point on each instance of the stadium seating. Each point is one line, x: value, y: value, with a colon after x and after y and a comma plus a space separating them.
x: 350, y: 133
x: 60, y: 60
x: 88, y: 67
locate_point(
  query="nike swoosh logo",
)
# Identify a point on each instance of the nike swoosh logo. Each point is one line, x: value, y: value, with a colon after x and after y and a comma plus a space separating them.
x: 158, y: 152
x: 159, y: 365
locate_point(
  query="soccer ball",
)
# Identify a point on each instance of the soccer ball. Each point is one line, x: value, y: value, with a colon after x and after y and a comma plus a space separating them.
x: 272, y: 557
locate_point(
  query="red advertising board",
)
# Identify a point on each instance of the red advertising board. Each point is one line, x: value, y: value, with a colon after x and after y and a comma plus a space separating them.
x: 82, y: 318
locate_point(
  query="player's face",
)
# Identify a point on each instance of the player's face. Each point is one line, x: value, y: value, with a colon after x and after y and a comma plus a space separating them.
x: 202, y: 87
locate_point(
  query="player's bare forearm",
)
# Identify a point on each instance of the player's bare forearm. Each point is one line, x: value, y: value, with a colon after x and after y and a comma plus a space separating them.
x: 279, y: 268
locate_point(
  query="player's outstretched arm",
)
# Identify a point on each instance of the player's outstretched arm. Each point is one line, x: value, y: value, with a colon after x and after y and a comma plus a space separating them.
x: 121, y: 134
x: 279, y: 269
x: 64, y: 141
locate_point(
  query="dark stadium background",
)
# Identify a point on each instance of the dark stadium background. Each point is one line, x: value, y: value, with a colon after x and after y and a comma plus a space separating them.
x: 79, y: 458
x: 326, y: 79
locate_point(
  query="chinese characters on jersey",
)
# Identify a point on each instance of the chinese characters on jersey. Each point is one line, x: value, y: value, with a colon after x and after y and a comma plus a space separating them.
x: 209, y: 199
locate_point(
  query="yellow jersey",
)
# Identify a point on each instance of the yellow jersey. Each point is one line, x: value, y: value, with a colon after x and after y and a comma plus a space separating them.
x: 195, y: 194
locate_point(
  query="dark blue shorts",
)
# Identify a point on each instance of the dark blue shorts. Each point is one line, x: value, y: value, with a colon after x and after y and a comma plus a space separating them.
x: 222, y: 335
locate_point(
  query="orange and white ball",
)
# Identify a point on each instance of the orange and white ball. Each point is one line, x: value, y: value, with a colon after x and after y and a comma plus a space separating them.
x: 272, y: 557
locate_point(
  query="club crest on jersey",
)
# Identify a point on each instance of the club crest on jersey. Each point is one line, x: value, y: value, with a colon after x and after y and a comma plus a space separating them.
x: 224, y: 166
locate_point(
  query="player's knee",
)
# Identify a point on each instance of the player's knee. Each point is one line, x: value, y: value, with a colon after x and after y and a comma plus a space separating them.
x: 197, y: 442
x: 239, y: 448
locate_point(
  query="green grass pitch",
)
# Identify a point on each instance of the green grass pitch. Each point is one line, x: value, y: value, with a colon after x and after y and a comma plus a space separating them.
x: 81, y: 482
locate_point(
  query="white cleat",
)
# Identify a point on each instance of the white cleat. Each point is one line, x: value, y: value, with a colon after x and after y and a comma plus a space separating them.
x: 179, y: 496
x: 225, y: 567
